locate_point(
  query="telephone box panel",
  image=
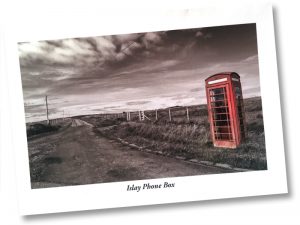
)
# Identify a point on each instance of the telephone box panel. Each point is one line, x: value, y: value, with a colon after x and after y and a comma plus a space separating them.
x: 225, y: 109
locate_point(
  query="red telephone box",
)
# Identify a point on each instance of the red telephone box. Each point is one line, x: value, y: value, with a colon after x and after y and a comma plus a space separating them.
x: 225, y: 109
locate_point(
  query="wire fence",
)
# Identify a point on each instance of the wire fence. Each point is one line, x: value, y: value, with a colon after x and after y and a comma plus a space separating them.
x: 172, y: 114
x: 176, y: 114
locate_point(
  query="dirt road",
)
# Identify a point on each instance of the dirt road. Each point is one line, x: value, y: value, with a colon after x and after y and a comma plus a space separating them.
x: 76, y: 155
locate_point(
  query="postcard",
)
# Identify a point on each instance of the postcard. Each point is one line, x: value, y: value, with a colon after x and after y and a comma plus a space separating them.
x: 170, y: 112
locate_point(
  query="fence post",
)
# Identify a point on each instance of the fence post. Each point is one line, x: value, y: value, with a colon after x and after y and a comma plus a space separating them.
x: 170, y: 116
x: 187, y: 114
x: 140, y: 117
x: 156, y: 116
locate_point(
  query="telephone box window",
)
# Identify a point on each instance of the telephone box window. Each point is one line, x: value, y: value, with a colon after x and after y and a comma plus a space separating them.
x: 220, y: 114
x: 240, y: 107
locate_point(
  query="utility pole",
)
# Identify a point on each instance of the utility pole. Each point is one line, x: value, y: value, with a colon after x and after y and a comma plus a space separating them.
x: 47, y: 110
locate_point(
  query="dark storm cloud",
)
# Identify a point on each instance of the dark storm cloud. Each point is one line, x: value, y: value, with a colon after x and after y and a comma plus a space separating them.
x: 195, y: 90
x: 93, y: 51
x: 132, y: 71
x: 138, y: 102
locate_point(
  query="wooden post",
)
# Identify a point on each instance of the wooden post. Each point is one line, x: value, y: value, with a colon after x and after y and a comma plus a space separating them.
x: 128, y: 114
x: 170, y: 116
x: 187, y: 114
x: 156, y: 116
x: 140, y: 117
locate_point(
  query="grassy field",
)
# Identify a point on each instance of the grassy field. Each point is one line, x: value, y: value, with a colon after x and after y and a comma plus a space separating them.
x: 40, y: 128
x: 189, y: 138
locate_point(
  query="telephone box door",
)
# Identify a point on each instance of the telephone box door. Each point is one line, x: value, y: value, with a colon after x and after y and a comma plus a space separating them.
x: 220, y: 113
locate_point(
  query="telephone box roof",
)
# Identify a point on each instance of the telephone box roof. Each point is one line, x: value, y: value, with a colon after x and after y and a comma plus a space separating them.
x: 223, y: 73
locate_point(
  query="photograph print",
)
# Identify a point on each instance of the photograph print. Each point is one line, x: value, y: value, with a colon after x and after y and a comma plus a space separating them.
x: 143, y: 106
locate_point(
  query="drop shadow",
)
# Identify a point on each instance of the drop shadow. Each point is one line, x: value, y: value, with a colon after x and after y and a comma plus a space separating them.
x: 283, y: 100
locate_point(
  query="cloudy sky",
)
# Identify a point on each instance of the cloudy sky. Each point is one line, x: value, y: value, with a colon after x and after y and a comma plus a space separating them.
x: 131, y: 72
